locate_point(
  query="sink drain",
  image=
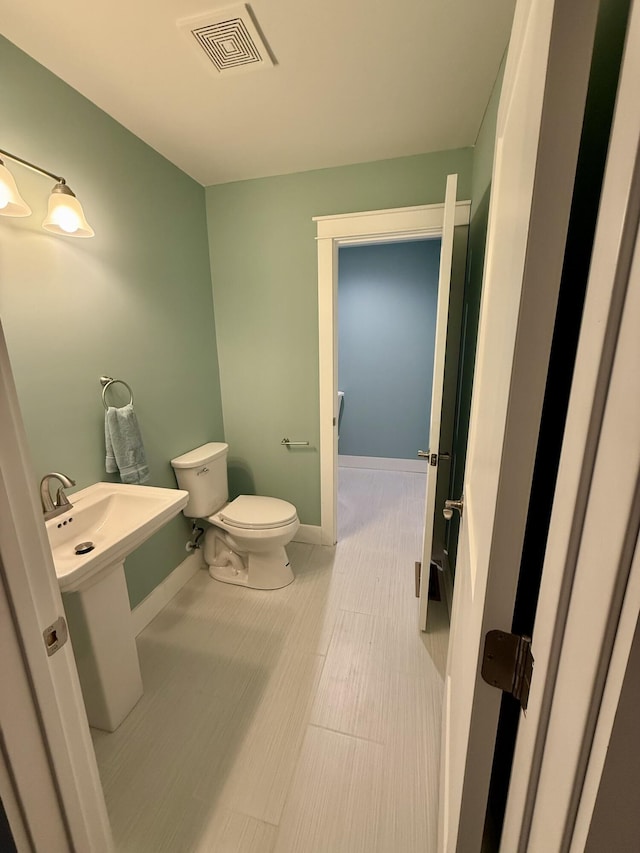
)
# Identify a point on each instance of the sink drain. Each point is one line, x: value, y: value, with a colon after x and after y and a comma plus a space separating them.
x: 84, y: 547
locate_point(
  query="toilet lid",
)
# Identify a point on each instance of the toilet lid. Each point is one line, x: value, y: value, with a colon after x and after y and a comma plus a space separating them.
x: 258, y: 513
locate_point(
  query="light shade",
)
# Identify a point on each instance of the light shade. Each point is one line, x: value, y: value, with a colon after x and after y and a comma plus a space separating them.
x: 11, y: 202
x: 65, y: 214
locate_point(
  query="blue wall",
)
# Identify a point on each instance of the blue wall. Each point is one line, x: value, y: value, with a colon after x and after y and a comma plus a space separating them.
x: 387, y: 304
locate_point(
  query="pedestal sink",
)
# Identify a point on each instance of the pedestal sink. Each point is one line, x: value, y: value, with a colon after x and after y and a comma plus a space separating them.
x: 89, y: 543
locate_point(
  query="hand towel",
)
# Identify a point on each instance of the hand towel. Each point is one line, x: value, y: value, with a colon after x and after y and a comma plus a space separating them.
x: 124, y: 447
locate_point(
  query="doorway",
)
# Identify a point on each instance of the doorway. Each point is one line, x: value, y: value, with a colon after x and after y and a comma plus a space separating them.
x: 378, y: 226
x: 387, y: 306
x: 448, y: 221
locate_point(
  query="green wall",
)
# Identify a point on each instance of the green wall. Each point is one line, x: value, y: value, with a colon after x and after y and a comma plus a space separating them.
x: 264, y: 272
x: 133, y: 302
x: 480, y: 195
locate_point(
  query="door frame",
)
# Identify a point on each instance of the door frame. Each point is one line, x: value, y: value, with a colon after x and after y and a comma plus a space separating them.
x: 546, y: 77
x: 392, y: 225
x: 591, y: 615
x: 54, y: 703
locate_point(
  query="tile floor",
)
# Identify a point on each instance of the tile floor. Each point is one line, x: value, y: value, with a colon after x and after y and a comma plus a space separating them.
x: 302, y: 720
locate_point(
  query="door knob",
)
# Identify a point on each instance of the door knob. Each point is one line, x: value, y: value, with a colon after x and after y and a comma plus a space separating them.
x: 434, y: 457
x: 449, y: 507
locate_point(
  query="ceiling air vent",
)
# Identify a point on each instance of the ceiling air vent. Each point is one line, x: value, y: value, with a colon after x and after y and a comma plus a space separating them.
x: 228, y: 39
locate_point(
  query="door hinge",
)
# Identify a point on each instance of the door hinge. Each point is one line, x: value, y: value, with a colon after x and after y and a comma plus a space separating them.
x: 507, y: 663
x: 55, y: 636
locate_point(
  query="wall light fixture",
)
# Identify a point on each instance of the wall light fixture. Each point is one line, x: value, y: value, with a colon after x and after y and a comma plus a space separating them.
x: 65, y: 214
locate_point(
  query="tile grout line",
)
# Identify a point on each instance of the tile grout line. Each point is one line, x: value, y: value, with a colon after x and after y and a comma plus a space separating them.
x: 265, y: 772
x: 346, y: 734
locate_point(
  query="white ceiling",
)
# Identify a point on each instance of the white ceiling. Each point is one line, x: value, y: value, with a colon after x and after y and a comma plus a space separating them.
x: 355, y: 80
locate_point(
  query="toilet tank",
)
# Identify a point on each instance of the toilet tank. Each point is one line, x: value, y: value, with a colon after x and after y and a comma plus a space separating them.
x: 203, y: 473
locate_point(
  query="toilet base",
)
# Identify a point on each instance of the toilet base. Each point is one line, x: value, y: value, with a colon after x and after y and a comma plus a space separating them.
x: 265, y: 570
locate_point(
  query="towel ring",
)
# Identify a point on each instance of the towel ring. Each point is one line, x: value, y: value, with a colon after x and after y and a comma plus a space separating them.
x: 107, y: 382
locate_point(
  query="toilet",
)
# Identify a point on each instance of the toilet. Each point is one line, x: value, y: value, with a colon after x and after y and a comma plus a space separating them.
x: 245, y: 541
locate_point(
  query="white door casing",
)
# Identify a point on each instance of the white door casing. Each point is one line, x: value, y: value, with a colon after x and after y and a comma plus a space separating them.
x: 23, y: 750
x: 376, y: 226
x: 537, y: 140
x: 605, y: 597
x: 437, y: 388
x: 32, y: 591
x: 590, y: 592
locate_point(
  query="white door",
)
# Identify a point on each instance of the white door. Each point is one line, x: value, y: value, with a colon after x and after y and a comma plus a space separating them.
x: 444, y: 288
x: 537, y: 139
x: 576, y: 632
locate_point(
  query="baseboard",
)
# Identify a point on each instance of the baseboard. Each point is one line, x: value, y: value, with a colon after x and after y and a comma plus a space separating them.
x: 159, y: 597
x: 309, y: 533
x: 382, y: 463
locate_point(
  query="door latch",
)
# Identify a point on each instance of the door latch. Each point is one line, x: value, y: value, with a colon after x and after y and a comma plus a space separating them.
x: 55, y: 636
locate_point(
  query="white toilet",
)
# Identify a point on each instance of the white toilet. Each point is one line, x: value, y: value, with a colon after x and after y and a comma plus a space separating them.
x: 245, y: 542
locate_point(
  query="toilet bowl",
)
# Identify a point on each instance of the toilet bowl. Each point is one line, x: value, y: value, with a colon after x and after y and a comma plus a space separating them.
x: 246, y: 538
x: 256, y: 529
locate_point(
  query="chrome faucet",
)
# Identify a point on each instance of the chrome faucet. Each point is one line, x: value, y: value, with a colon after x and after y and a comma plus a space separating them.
x: 61, y: 504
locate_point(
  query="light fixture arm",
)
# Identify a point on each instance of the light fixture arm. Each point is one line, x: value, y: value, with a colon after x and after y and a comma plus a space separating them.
x: 32, y: 166
x: 65, y: 215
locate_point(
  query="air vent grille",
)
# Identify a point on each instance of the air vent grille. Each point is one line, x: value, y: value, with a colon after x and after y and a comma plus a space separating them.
x: 229, y: 38
x: 227, y: 44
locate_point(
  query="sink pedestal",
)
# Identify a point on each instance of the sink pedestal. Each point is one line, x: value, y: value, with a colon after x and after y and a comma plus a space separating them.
x: 104, y: 646
x: 89, y: 543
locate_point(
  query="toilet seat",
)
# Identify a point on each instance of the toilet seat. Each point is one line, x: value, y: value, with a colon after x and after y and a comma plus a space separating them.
x: 254, y: 512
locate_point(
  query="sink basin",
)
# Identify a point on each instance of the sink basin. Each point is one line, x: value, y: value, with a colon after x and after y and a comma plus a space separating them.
x: 106, y: 522
x: 115, y: 518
